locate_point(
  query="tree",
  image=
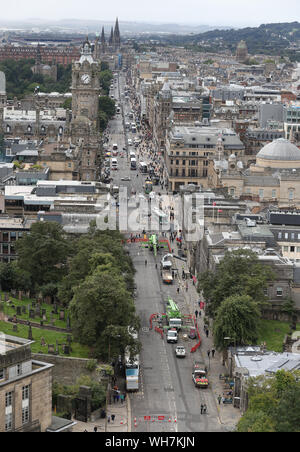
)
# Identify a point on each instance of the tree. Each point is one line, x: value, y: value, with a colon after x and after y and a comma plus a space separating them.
x: 236, y: 318
x: 43, y: 253
x: 239, y: 273
x: 101, y: 311
x: 273, y: 403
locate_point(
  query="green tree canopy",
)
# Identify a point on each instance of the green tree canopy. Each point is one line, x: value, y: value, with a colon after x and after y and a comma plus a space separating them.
x: 237, y: 318
x: 43, y: 253
x: 239, y: 273
x: 273, y: 404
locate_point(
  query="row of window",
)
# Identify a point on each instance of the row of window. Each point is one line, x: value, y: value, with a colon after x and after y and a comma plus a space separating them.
x: 189, y: 173
x: 9, y: 410
x: 190, y: 162
x: 288, y: 236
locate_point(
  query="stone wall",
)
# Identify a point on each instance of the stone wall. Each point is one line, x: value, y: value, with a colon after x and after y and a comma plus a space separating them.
x: 66, y: 370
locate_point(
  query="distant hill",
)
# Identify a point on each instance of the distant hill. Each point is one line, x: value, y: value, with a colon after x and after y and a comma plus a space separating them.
x: 271, y: 39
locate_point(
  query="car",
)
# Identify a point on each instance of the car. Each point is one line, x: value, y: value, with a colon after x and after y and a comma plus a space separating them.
x: 172, y: 336
x: 180, y: 352
x: 126, y: 179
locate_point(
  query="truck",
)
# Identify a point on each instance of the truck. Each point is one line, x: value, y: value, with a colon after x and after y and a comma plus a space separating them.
x: 132, y: 379
x: 167, y: 269
x: 199, y: 375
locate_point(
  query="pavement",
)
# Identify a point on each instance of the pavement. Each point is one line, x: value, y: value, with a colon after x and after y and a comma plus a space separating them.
x: 228, y: 415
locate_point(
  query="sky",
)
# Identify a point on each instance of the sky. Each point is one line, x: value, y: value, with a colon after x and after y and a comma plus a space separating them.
x: 238, y: 13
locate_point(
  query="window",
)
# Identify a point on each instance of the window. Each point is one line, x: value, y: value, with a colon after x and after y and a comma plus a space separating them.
x: 1, y: 374
x: 298, y: 249
x: 279, y: 292
x: 8, y: 422
x: 286, y: 249
x: 279, y: 235
x: 291, y: 195
x: 286, y: 235
x: 274, y: 194
x: 25, y: 393
x: 292, y: 249
x: 19, y: 369
x: 261, y: 193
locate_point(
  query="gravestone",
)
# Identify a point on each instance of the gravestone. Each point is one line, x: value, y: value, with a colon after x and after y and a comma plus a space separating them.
x: 44, y: 318
x: 44, y: 311
x: 30, y: 337
x: 68, y: 322
x: 43, y: 342
x: 20, y: 295
x: 51, y: 349
x: 31, y: 314
x: 24, y: 310
x: 62, y: 315
x: 15, y: 328
x: 55, y: 310
x: 19, y: 310
x: 66, y: 349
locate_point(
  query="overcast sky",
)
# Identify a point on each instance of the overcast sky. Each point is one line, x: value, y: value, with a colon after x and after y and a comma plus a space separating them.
x: 208, y: 12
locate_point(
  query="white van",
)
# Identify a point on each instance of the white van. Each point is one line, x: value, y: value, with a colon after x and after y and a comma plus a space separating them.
x: 114, y: 164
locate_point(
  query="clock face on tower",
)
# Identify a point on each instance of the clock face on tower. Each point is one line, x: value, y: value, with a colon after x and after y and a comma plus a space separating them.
x: 85, y: 79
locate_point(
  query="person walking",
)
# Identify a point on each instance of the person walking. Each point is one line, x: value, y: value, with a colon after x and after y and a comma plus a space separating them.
x: 207, y: 333
x: 213, y: 352
x: 208, y: 353
x: 205, y: 409
x: 122, y: 398
x: 219, y: 399
x: 196, y: 314
x: 202, y: 407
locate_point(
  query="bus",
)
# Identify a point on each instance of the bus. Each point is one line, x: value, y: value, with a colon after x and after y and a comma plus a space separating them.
x: 148, y: 187
x: 143, y: 167
x: 114, y: 164
x: 132, y: 366
x: 133, y: 164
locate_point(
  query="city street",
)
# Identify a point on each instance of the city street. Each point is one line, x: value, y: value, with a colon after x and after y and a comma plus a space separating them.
x: 167, y: 400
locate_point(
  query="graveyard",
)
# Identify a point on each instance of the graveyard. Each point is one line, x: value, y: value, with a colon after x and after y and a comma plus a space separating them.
x: 47, y: 325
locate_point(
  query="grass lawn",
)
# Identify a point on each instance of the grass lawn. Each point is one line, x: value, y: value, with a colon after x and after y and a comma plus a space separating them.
x: 50, y: 337
x: 8, y: 310
x: 272, y: 332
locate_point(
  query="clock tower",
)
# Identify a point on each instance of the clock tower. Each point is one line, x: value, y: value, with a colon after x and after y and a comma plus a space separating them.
x: 85, y: 86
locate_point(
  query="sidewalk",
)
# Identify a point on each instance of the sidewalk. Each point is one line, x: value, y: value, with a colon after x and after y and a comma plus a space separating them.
x: 121, y: 424
x: 228, y: 415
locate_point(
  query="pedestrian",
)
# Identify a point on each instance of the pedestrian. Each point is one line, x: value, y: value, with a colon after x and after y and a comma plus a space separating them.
x: 178, y: 290
x: 196, y: 314
x: 122, y: 398
x: 113, y: 417
x: 108, y: 419
x: 187, y: 286
x: 95, y: 429
x: 205, y: 408
x: 208, y: 353
x: 213, y: 352
x: 219, y: 399
x: 202, y: 407
x: 115, y: 398
x: 207, y: 333
x: 146, y: 262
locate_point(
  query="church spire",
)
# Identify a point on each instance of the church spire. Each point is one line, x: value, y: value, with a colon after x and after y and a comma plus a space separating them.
x: 117, y: 36
x: 111, y: 39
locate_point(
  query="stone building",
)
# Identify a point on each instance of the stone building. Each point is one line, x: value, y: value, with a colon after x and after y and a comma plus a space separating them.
x: 242, y: 52
x: 25, y: 388
x: 275, y: 178
x: 189, y: 149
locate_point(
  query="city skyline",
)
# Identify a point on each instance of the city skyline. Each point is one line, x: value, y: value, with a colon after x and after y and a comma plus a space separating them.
x: 216, y: 13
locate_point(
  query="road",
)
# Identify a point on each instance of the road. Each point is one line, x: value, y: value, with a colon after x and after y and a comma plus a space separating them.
x: 167, y: 400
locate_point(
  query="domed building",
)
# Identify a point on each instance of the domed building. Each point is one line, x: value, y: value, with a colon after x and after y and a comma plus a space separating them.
x: 280, y: 153
x: 274, y: 179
